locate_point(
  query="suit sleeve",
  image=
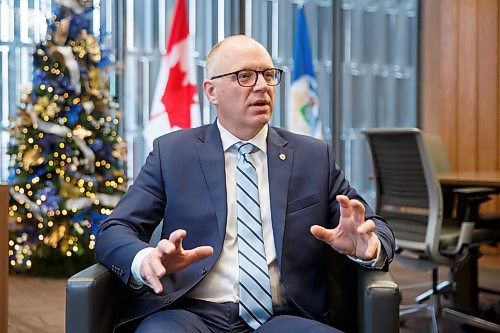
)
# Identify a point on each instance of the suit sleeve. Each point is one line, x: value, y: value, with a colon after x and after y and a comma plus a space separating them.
x: 131, y: 224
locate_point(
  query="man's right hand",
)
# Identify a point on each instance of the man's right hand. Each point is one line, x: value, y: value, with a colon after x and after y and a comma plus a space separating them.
x: 168, y: 257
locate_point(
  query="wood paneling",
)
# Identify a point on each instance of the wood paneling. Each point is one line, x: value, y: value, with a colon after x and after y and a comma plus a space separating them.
x: 448, y: 78
x: 488, y: 82
x: 460, y: 81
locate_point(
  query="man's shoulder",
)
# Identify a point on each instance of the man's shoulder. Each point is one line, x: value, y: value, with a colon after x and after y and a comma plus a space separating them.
x: 300, y: 139
x: 183, y: 135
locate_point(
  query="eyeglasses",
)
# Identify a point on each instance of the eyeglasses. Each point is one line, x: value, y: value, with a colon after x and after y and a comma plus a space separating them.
x: 249, y: 77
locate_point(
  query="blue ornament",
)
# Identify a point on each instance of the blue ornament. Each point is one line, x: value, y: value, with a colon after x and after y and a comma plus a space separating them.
x: 74, y: 114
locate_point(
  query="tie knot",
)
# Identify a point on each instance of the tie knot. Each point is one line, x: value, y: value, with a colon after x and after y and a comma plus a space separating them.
x: 244, y: 148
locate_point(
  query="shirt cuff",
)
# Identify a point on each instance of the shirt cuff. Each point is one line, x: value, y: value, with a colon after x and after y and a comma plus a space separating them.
x: 377, y: 262
x: 136, y: 280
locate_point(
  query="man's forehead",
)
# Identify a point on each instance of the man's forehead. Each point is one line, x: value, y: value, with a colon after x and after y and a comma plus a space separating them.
x: 238, y: 52
x: 244, y: 55
x: 241, y: 45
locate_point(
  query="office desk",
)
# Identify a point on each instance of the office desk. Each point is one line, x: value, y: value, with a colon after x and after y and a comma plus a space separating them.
x: 470, y: 178
x: 466, y: 276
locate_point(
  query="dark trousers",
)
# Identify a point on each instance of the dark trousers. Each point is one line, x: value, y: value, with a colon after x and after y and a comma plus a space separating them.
x: 190, y: 316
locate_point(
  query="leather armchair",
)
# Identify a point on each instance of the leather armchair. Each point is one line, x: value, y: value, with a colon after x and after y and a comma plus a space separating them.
x: 361, y: 300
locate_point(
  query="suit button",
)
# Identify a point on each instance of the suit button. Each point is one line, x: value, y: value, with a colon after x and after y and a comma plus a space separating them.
x: 204, y: 271
x: 169, y: 300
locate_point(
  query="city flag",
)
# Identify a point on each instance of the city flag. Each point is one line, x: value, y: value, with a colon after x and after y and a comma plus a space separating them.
x: 303, y: 115
x: 175, y: 102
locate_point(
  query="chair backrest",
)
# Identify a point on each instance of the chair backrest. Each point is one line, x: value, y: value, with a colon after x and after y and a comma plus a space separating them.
x: 408, y: 191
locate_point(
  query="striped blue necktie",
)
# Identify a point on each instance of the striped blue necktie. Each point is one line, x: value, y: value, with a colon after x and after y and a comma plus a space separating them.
x: 255, y: 287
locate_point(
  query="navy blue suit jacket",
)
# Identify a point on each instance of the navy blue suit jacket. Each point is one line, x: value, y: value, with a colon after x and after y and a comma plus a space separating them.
x: 183, y: 183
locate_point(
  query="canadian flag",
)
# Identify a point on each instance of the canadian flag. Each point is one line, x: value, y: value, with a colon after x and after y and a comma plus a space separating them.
x: 175, y: 101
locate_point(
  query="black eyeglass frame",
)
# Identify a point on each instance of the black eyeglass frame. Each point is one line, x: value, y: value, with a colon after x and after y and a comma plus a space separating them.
x: 278, y: 70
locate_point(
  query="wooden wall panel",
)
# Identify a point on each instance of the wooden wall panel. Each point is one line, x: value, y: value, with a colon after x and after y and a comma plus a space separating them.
x: 461, y: 81
x: 447, y: 82
x: 488, y: 66
x: 488, y: 81
x: 467, y: 85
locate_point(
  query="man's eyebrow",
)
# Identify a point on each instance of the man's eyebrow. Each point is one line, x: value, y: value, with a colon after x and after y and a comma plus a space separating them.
x: 253, y: 69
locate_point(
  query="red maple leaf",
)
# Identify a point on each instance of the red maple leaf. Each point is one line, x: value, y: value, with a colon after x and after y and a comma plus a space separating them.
x: 178, y: 98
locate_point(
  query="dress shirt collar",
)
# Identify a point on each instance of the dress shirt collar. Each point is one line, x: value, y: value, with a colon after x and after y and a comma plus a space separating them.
x: 228, y: 139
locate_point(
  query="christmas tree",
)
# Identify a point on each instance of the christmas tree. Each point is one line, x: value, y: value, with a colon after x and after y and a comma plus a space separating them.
x: 66, y: 157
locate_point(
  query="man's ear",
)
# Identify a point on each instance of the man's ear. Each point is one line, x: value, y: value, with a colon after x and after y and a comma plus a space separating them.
x: 209, y: 89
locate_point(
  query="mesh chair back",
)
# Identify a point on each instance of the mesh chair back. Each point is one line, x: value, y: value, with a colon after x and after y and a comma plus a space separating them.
x: 408, y: 193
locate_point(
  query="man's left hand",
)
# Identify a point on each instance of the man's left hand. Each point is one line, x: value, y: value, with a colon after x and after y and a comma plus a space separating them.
x: 353, y: 236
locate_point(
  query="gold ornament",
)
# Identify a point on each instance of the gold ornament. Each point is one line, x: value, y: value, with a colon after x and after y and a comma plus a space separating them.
x: 87, y: 45
x: 62, y: 30
x: 92, y: 47
x: 69, y: 190
x: 51, y: 110
x: 41, y: 105
x: 31, y: 157
x: 55, y: 236
x: 101, y: 106
x: 95, y: 84
x: 120, y: 151
x: 23, y: 119
x: 82, y: 132
x: 45, y: 108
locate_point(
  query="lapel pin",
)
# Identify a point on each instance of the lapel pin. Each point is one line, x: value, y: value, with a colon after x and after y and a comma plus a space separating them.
x: 282, y: 157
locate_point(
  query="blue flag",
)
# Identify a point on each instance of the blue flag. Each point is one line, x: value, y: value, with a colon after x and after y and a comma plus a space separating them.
x: 304, y: 104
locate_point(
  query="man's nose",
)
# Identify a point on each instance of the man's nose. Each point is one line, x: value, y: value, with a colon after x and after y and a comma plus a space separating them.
x: 261, y: 82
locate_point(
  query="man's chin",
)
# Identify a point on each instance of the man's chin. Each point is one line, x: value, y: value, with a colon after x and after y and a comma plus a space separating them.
x: 262, y: 119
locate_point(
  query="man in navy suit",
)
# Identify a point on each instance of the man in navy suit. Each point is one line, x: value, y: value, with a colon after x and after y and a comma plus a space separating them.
x: 189, y: 282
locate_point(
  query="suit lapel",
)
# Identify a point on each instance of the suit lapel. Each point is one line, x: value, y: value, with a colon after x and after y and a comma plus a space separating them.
x: 279, y: 160
x: 212, y: 162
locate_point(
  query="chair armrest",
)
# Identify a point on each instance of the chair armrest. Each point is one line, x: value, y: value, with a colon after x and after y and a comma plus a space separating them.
x: 378, y: 303
x: 89, y: 306
x: 361, y: 300
x: 468, y: 201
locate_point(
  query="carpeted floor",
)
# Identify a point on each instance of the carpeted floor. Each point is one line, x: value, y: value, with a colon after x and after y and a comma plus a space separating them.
x: 412, y: 283
x: 38, y: 304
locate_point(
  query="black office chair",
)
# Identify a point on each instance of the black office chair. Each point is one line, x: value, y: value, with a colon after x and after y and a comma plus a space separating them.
x: 409, y: 197
x: 361, y: 300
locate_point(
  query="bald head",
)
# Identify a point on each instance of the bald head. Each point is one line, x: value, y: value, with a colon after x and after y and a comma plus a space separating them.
x: 242, y: 110
x: 218, y: 55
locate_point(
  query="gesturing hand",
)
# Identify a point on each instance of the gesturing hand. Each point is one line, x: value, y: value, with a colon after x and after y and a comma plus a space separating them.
x: 168, y: 257
x: 353, y: 235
